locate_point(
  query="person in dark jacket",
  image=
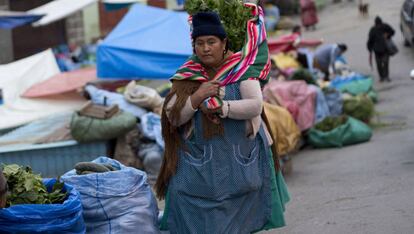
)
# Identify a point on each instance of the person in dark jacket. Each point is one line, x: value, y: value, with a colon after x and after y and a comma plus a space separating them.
x: 376, y: 44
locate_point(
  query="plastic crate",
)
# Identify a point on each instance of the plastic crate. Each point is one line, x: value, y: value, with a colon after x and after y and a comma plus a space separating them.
x: 52, y: 159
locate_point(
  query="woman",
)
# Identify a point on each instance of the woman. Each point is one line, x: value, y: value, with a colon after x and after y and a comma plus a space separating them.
x: 218, y: 174
x: 308, y: 13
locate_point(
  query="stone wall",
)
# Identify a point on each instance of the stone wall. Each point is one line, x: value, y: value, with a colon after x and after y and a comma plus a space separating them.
x: 6, y: 46
x: 74, y: 29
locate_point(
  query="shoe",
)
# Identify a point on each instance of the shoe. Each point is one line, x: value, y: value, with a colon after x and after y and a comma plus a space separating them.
x: 388, y: 79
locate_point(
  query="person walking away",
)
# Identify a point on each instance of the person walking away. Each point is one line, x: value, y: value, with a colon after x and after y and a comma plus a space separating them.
x: 308, y: 13
x: 325, y: 57
x: 218, y: 175
x: 377, y: 44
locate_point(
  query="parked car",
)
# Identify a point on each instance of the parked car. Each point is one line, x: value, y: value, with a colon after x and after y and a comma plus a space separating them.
x: 407, y: 22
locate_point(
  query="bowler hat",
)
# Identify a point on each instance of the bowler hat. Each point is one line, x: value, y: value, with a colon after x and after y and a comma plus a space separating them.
x: 207, y: 23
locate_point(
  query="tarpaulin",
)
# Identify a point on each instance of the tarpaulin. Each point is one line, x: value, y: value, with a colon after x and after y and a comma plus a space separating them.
x: 290, y: 42
x: 17, y: 77
x: 12, y: 19
x: 62, y: 83
x: 297, y: 93
x: 149, y: 42
x: 285, y: 132
x: 351, y: 132
x: 58, y: 9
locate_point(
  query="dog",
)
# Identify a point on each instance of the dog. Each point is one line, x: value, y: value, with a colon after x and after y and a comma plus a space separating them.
x: 363, y: 8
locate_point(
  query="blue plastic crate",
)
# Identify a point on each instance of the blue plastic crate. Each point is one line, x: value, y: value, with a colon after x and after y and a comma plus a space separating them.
x: 52, y: 159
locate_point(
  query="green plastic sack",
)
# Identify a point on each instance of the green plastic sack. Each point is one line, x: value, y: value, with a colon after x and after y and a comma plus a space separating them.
x: 373, y: 95
x: 352, y: 132
x: 357, y: 87
x: 87, y: 129
x: 330, y: 122
x: 360, y: 107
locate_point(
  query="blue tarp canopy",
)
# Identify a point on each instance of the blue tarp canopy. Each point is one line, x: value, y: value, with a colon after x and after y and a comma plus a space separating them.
x: 149, y: 43
x: 12, y: 19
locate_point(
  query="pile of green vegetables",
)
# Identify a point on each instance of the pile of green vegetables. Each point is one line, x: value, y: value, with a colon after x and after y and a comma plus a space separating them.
x: 360, y: 107
x: 233, y: 14
x: 84, y: 168
x: 330, y: 123
x: 28, y: 188
x: 329, y: 90
x: 303, y: 74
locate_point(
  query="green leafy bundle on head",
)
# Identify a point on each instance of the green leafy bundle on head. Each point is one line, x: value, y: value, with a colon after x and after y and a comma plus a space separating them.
x: 233, y: 14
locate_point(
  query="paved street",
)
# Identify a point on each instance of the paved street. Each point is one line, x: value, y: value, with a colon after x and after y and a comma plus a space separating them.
x: 366, y: 188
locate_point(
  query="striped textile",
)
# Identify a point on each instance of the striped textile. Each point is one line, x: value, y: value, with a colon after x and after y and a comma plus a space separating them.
x: 252, y: 61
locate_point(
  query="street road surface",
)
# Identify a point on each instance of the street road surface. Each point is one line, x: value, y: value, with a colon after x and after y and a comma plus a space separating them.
x: 365, y: 188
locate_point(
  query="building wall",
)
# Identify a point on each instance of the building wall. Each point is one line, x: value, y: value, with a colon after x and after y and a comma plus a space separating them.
x: 109, y: 19
x: 171, y: 4
x: 91, y: 23
x: 28, y: 40
x: 6, y: 43
x: 157, y: 3
x: 74, y: 29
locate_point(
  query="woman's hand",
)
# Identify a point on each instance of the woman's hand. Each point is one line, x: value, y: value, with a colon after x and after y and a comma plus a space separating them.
x: 206, y: 89
x: 218, y: 110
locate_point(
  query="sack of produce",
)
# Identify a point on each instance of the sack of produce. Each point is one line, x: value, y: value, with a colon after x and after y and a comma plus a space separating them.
x: 338, y: 132
x: 115, y: 198
x: 373, y: 95
x: 321, y: 106
x: 286, y: 62
x: 35, y: 205
x: 87, y: 129
x: 285, y: 132
x: 357, y: 87
x: 360, y: 107
x: 334, y: 101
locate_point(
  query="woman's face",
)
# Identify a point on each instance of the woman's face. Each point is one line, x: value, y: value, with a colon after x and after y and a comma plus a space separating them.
x: 209, y: 49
